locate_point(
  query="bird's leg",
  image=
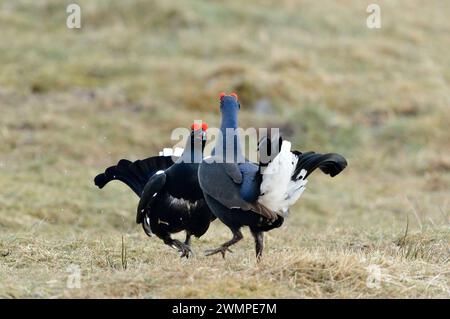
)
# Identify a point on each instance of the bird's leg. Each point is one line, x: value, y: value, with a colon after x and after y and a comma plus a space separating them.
x: 187, y: 241
x: 237, y: 236
x: 259, y: 243
x: 184, y: 249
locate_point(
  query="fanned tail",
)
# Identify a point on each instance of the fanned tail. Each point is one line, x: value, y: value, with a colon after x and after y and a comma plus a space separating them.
x: 284, y: 179
x: 134, y: 174
x: 330, y: 164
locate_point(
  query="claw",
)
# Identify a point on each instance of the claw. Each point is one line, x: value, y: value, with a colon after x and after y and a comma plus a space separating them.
x: 221, y: 249
x: 184, y: 249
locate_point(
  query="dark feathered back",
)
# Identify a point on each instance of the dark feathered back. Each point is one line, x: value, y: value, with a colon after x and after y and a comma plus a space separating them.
x: 134, y: 174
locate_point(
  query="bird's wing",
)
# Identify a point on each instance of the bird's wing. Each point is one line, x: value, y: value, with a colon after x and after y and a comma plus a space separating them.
x: 233, y: 172
x: 151, y: 189
x: 262, y: 210
x: 215, y: 181
x: 134, y: 174
x: 251, y: 180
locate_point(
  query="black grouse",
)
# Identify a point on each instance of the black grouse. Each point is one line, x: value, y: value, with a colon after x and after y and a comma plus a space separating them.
x: 170, y: 196
x: 241, y: 194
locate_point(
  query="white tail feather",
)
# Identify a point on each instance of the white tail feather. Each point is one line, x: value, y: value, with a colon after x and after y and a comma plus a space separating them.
x: 167, y: 151
x: 278, y: 191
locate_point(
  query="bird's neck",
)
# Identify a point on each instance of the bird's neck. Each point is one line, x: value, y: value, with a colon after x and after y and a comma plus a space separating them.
x: 229, y: 120
x: 230, y: 144
x: 193, y: 151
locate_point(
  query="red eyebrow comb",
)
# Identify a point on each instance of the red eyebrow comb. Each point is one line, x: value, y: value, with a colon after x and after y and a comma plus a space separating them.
x: 197, y: 126
x: 222, y: 94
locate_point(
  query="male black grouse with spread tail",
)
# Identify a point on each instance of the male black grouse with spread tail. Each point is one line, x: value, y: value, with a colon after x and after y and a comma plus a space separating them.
x: 239, y: 194
x: 170, y: 196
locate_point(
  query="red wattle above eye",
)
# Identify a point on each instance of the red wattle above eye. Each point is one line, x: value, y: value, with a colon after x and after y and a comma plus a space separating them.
x: 199, y: 126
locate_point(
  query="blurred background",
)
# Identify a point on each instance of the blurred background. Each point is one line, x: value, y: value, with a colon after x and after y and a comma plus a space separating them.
x: 74, y: 101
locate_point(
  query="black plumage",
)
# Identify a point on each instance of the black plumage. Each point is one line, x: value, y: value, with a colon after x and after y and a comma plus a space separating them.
x: 170, y: 197
x: 330, y: 164
x: 134, y: 174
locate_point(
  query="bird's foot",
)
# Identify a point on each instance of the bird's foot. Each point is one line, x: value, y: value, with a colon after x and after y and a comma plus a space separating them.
x: 184, y: 249
x: 221, y: 249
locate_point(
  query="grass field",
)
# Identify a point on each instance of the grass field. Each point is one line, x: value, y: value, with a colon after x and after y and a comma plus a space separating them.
x: 73, y: 102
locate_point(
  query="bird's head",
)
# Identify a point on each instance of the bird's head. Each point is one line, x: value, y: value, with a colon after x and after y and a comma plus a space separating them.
x: 195, y: 145
x: 198, y: 131
x: 229, y: 102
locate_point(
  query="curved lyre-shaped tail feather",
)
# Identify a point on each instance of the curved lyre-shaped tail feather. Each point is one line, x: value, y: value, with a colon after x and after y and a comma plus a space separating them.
x: 134, y: 174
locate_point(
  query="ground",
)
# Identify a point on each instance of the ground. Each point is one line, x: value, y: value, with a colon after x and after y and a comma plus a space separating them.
x: 73, y: 102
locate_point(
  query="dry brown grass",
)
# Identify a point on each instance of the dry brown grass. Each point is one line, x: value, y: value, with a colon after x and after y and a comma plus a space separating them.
x: 73, y: 102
